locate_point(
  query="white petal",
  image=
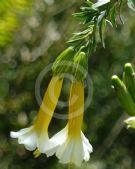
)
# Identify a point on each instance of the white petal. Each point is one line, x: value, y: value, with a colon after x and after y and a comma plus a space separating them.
x: 51, y: 151
x: 64, y: 153
x: 77, y: 156
x: 87, y: 147
x: 70, y: 150
x: 74, y: 150
x: 60, y: 137
x: 86, y: 154
x: 57, y: 140
x: 26, y: 136
x: 44, y: 144
x: 29, y: 140
x: 87, y: 143
x: 20, y: 132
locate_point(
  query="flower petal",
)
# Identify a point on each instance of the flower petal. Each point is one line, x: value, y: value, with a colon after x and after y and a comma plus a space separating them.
x: 64, y: 153
x: 20, y: 132
x: 29, y: 140
x: 27, y: 137
x: 44, y: 144
x: 60, y: 137
x: 77, y: 154
x: 87, y: 143
x: 57, y: 140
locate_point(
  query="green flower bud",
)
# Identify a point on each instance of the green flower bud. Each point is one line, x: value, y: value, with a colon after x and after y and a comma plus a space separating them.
x: 62, y: 64
x: 129, y: 79
x: 80, y: 70
x: 123, y: 95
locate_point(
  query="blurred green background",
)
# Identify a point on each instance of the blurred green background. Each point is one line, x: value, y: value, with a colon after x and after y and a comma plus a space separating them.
x: 32, y: 34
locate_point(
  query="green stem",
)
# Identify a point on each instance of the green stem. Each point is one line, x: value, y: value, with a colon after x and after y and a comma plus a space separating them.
x: 70, y: 166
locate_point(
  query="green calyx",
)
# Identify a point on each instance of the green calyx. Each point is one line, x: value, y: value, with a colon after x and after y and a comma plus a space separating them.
x: 80, y: 69
x: 63, y: 63
x: 123, y: 95
x: 69, y: 62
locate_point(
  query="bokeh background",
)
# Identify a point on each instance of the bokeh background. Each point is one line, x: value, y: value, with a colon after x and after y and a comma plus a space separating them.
x: 32, y: 34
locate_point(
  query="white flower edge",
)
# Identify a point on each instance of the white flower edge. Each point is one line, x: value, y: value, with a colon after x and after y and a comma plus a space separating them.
x: 26, y: 136
x: 32, y: 140
x: 70, y: 150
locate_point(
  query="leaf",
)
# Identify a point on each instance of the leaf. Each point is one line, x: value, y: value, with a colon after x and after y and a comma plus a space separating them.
x: 119, y: 12
x: 81, y: 35
x: 89, y: 3
x: 80, y: 14
x: 100, y: 3
x: 109, y: 22
x: 101, y: 16
x: 131, y: 4
x: 113, y: 16
x: 102, y: 28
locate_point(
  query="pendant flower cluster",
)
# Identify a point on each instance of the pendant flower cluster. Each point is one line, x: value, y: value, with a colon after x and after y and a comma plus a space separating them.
x: 69, y: 145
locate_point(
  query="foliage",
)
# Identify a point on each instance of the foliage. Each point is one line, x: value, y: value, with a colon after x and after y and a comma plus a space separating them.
x: 11, y: 13
x: 94, y: 18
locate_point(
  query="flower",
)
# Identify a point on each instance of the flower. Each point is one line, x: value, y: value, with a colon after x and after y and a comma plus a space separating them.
x: 36, y: 136
x: 71, y: 146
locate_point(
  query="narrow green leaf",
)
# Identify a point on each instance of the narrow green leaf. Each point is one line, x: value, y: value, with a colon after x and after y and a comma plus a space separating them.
x: 102, y: 28
x: 100, y: 3
x: 113, y: 16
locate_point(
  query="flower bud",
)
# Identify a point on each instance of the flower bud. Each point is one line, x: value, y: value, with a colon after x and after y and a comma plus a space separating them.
x: 62, y: 64
x: 80, y: 66
x: 129, y: 79
x: 123, y: 95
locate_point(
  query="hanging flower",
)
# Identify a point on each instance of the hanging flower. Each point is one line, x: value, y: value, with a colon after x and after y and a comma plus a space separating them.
x: 36, y: 136
x: 71, y: 146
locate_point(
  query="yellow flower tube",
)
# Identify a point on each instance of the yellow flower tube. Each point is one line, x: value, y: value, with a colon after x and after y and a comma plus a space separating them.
x: 71, y: 146
x: 36, y: 136
x: 76, y: 109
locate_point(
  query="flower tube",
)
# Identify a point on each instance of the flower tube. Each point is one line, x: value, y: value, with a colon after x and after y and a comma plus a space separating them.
x: 71, y: 146
x: 36, y: 136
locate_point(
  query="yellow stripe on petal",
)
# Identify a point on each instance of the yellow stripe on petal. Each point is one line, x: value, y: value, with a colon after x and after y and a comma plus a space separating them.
x: 49, y: 103
x: 76, y: 109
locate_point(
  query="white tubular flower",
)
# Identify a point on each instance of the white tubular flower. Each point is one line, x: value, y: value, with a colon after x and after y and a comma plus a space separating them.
x: 71, y: 146
x: 36, y: 136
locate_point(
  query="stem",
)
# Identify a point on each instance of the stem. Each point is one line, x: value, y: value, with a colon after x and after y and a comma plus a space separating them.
x: 69, y: 166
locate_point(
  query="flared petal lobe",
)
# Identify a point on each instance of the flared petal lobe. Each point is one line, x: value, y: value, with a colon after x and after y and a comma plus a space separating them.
x: 70, y: 150
x: 27, y: 137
